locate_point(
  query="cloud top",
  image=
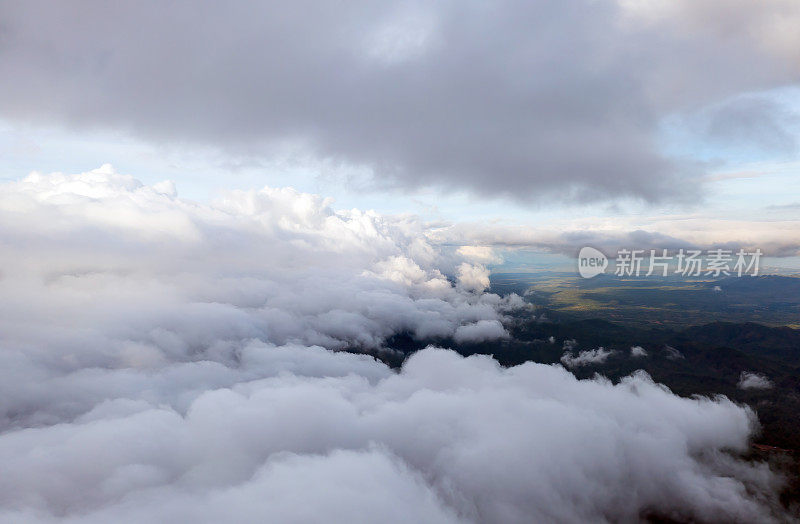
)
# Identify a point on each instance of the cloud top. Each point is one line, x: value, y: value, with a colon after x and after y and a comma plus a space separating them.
x: 162, y: 359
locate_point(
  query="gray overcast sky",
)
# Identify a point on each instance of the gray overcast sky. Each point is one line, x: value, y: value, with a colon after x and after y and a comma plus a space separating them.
x: 513, y: 99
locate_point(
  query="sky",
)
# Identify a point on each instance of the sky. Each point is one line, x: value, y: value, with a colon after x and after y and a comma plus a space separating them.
x: 596, y: 117
x: 202, y: 204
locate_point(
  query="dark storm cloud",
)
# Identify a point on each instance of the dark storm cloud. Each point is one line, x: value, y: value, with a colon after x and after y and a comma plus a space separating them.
x: 520, y: 99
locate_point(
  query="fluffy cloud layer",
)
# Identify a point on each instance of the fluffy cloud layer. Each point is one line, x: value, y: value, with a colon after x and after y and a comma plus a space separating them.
x: 448, y: 439
x: 513, y: 98
x: 129, y: 275
x: 163, y: 360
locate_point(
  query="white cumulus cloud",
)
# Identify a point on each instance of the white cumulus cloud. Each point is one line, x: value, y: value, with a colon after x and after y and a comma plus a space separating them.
x: 167, y: 360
